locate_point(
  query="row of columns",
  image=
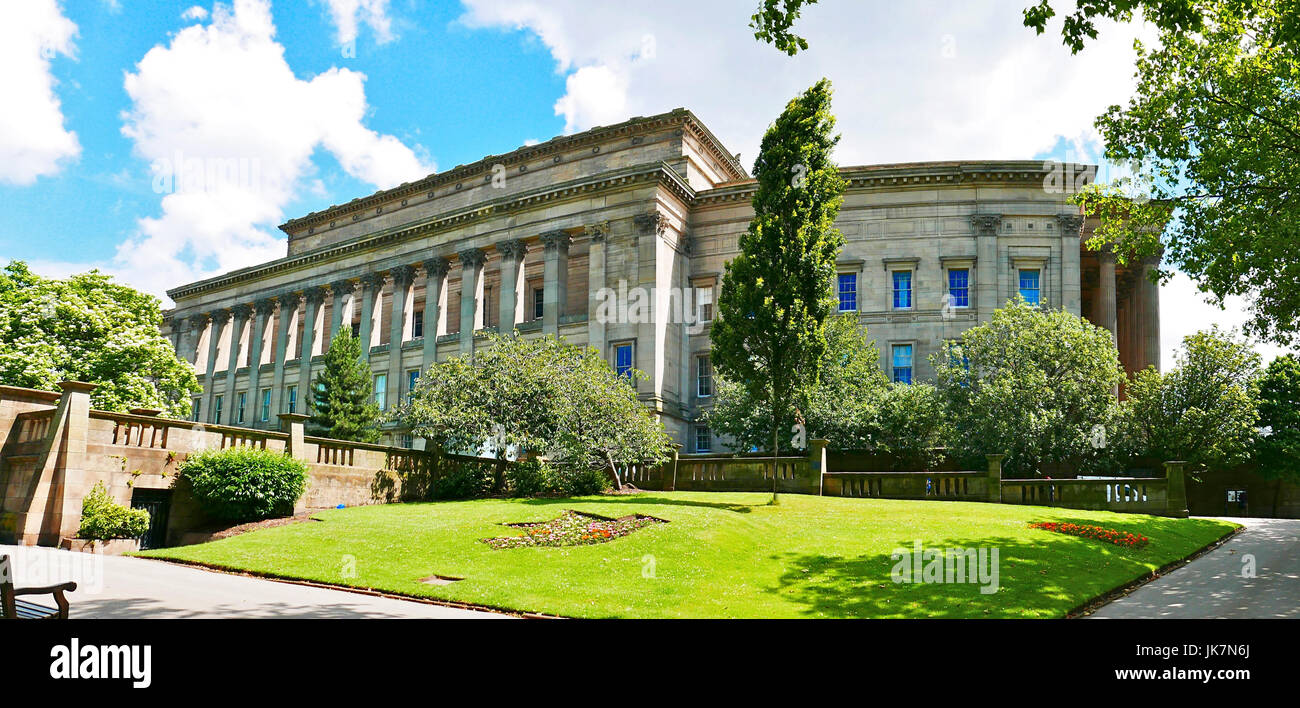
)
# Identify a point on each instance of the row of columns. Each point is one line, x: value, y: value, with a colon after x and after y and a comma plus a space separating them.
x: 284, y: 310
x: 1142, y: 315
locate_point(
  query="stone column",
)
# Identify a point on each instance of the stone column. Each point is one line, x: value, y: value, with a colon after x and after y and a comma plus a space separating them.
x: 342, y: 291
x: 512, y: 283
x: 1071, y: 226
x: 555, y: 285
x: 435, y: 301
x: 288, y: 304
x: 313, y: 297
x: 994, y: 479
x: 1151, y: 311
x: 817, y: 460
x: 216, y: 320
x: 1106, y: 294
x: 68, y: 483
x: 239, y: 318
x: 370, y: 288
x: 1175, y: 489
x: 402, y: 276
x: 263, y: 308
x: 471, y: 289
x: 597, y: 234
x: 986, y: 263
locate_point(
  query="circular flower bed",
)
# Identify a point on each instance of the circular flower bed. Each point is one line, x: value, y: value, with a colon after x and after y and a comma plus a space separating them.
x: 1119, y: 538
x: 573, y: 529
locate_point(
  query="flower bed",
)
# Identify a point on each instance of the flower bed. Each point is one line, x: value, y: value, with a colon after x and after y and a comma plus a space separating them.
x: 572, y: 529
x: 1119, y: 538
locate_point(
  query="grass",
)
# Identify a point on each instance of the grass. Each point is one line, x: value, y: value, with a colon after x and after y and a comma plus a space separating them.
x: 721, y: 555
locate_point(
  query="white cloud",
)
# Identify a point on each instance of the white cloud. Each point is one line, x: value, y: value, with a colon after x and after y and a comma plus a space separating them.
x: 33, y: 139
x: 348, y: 15
x: 198, y: 12
x: 229, y: 131
x: 1184, y: 310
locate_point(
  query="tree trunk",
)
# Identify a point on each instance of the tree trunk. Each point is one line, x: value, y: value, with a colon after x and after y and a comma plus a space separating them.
x: 611, y: 470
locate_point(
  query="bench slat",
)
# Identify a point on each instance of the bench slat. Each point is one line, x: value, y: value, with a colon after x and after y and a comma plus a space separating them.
x: 31, y: 610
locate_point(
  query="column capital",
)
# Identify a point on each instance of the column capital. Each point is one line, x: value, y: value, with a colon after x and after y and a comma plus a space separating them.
x: 314, y: 295
x: 220, y: 314
x: 472, y: 257
x: 342, y: 287
x: 436, y: 267
x: 553, y: 240
x: 372, y: 281
x: 598, y: 232
x: 264, y: 306
x: 197, y: 321
x: 241, y: 311
x: 651, y: 222
x: 1106, y: 255
x: 986, y: 224
x: 513, y: 249
x: 1153, y: 260
x: 402, y: 274
x: 1070, y: 224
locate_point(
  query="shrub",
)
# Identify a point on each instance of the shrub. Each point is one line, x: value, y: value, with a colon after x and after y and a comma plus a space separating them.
x: 465, y: 480
x: 578, y: 481
x: 530, y: 478
x: 103, y: 519
x: 245, y: 484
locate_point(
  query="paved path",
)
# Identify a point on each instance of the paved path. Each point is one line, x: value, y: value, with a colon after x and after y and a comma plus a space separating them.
x: 119, y: 587
x: 1212, y: 586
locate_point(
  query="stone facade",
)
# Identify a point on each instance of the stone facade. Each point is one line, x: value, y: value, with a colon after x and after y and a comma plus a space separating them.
x: 651, y: 209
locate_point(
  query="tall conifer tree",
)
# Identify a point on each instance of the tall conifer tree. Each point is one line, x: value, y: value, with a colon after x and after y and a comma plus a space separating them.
x: 343, y: 405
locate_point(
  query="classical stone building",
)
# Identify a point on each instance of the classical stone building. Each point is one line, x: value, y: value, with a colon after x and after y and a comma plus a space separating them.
x: 650, y: 210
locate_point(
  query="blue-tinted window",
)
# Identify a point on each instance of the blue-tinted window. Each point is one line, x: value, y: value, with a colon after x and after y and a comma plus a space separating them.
x: 848, y: 291
x: 902, y: 288
x: 293, y: 400
x: 703, y: 439
x: 959, y: 287
x: 412, y: 378
x: 194, y: 411
x: 1029, y: 286
x: 216, y: 409
x: 623, y: 360
x: 381, y: 391
x: 239, y: 412
x: 903, y: 363
x: 266, y: 405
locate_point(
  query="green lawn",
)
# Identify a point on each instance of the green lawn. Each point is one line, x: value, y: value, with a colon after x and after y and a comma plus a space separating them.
x: 721, y: 555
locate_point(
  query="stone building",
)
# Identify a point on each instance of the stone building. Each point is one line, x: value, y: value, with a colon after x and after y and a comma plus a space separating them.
x: 616, y: 238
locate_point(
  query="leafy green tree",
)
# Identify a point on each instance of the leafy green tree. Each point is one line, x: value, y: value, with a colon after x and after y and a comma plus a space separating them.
x: 1204, y: 410
x: 1278, y: 452
x: 1030, y: 383
x: 840, y: 407
x: 776, y: 294
x: 89, y: 328
x: 343, y: 405
x: 1081, y: 25
x: 911, y: 423
x: 773, y: 21
x: 1213, y: 133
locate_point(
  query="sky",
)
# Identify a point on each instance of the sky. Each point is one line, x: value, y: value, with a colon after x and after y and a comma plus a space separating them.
x: 164, y: 142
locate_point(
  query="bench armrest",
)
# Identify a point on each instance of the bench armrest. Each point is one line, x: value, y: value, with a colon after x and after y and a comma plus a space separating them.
x: 55, y: 590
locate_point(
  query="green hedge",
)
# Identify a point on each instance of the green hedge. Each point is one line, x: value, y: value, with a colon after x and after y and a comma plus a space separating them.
x: 103, y: 519
x: 245, y: 484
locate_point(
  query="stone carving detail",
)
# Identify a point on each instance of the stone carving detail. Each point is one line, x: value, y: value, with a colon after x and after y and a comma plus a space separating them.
x: 342, y: 287
x: 553, y: 240
x: 651, y: 221
x: 264, y: 306
x: 289, y: 301
x: 472, y: 257
x: 219, y: 316
x: 598, y: 231
x: 314, y: 295
x: 241, y: 311
x: 402, y: 275
x: 986, y: 224
x: 513, y: 249
x: 372, y: 281
x: 1070, y: 223
x: 436, y: 268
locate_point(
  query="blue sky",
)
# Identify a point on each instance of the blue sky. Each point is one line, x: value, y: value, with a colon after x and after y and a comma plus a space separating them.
x: 333, y: 99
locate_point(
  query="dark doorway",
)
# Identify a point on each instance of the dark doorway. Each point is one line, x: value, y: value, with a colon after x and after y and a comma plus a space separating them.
x: 156, y: 502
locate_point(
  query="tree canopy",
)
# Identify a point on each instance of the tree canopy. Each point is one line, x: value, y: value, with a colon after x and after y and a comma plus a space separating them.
x: 90, y: 328
x: 1278, y: 453
x: 773, y: 23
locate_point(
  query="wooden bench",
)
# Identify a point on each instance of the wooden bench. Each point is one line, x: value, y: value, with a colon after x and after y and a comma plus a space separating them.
x: 13, y: 608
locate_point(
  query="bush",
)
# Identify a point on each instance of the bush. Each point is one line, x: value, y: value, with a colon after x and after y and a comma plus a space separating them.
x: 103, y: 519
x: 465, y: 480
x: 245, y: 484
x: 530, y: 478
x: 576, y: 481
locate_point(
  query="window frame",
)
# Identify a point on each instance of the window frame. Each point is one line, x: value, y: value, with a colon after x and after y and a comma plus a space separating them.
x: 894, y: 274
x: 840, y: 292
x: 894, y: 368
x: 380, y: 393
x: 702, y: 360
x: 266, y: 405
x: 707, y: 436
x: 614, y: 350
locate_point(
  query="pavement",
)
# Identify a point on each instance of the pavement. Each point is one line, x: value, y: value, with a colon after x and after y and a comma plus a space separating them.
x: 1217, y: 585
x: 118, y: 587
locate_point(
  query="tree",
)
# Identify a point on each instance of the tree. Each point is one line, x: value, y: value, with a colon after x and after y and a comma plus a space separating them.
x: 840, y: 407
x: 776, y: 294
x: 1031, y: 384
x: 912, y: 424
x: 89, y: 328
x: 343, y: 406
x: 1278, y: 452
x: 538, y: 394
x: 1213, y: 132
x: 772, y: 23
x: 1204, y: 410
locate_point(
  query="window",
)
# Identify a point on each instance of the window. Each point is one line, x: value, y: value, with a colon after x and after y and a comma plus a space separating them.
x: 703, y: 439
x: 848, y: 291
x: 1029, y: 285
x: 194, y: 410
x: 381, y: 391
x: 216, y: 409
x: 705, y: 295
x: 292, y: 405
x: 406, y: 441
x: 903, y: 363
x: 487, y: 311
x: 239, y: 412
x: 417, y: 324
x: 623, y: 359
x: 703, y: 376
x: 902, y: 289
x: 959, y: 287
x: 266, y: 405
x: 412, y: 377
x: 356, y: 330
x: 539, y: 300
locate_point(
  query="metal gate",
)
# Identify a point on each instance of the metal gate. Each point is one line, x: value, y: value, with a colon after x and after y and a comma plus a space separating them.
x: 156, y: 502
